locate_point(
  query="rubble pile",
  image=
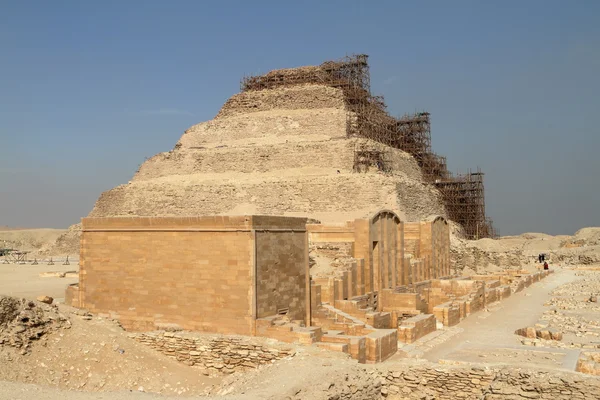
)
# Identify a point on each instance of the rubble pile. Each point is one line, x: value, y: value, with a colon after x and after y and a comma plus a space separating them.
x: 490, y: 255
x: 573, y: 312
x: 575, y: 325
x: 589, y: 363
x: 24, y: 321
x: 578, y: 295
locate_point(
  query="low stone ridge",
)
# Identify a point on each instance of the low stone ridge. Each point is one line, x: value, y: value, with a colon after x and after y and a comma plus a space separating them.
x: 215, y: 354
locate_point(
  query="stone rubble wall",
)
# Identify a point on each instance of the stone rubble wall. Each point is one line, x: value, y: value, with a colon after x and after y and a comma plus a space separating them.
x: 443, y: 382
x: 489, y: 384
x: 23, y: 322
x: 215, y: 354
x: 416, y: 327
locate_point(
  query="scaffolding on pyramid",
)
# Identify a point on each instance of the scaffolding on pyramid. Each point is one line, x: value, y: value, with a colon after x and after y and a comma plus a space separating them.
x: 367, y: 118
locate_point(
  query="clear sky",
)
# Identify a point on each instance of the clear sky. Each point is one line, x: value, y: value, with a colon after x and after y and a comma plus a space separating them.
x: 89, y: 89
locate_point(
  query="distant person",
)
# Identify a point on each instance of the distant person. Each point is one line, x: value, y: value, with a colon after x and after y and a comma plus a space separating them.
x: 540, y: 258
x: 545, y: 265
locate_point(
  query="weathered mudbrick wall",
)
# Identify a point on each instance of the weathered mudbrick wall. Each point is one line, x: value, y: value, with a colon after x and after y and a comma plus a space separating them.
x: 215, y: 354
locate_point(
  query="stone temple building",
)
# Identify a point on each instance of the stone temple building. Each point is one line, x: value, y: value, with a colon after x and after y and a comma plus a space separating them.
x: 276, y: 219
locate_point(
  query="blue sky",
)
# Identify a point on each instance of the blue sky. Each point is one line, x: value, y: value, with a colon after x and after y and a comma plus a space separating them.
x: 88, y: 90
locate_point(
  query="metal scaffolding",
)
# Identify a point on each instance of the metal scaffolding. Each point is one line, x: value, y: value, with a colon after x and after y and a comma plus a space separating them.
x: 465, y: 203
x: 368, y: 118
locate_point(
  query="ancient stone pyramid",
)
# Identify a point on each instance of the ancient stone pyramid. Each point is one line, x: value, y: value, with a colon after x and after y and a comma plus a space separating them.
x: 281, y: 150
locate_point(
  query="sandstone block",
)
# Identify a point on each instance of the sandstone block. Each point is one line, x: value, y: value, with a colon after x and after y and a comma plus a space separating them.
x: 45, y: 299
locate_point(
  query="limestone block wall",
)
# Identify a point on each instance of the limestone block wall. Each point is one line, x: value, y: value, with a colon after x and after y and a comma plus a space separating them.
x: 412, y: 238
x: 340, y: 233
x: 430, y: 240
x: 72, y: 295
x: 416, y: 327
x: 291, y: 143
x: 344, y: 286
x: 267, y: 127
x: 379, y: 241
x: 378, y: 247
x: 286, y: 98
x: 195, y: 273
x: 323, y: 156
x: 456, y: 287
x: 448, y: 313
x: 391, y: 301
x: 387, y: 238
x: 328, y: 198
x: 281, y: 274
x: 215, y: 354
x: 440, y: 247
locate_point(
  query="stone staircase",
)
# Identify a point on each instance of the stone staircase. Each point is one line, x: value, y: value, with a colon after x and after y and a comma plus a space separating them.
x: 336, y: 331
x: 346, y: 333
x: 356, y: 308
x: 278, y: 327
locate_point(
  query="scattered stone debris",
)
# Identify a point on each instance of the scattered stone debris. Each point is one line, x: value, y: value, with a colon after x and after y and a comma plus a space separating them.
x: 589, y: 363
x: 59, y: 274
x: 45, y: 299
x: 24, y: 321
x: 532, y: 333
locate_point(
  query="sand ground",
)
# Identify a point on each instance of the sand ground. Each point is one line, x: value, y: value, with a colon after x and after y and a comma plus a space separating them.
x: 484, y: 338
x: 24, y: 280
x: 488, y: 336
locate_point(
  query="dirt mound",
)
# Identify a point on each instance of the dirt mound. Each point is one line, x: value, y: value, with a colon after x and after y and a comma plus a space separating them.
x: 490, y: 255
x: 67, y: 244
x: 95, y: 355
x: 585, y: 255
x: 310, y: 375
x: 587, y: 236
x: 24, y: 321
x: 29, y: 239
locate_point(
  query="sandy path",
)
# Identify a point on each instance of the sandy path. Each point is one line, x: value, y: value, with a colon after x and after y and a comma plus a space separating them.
x: 25, y: 281
x: 489, y: 336
x: 22, y: 391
